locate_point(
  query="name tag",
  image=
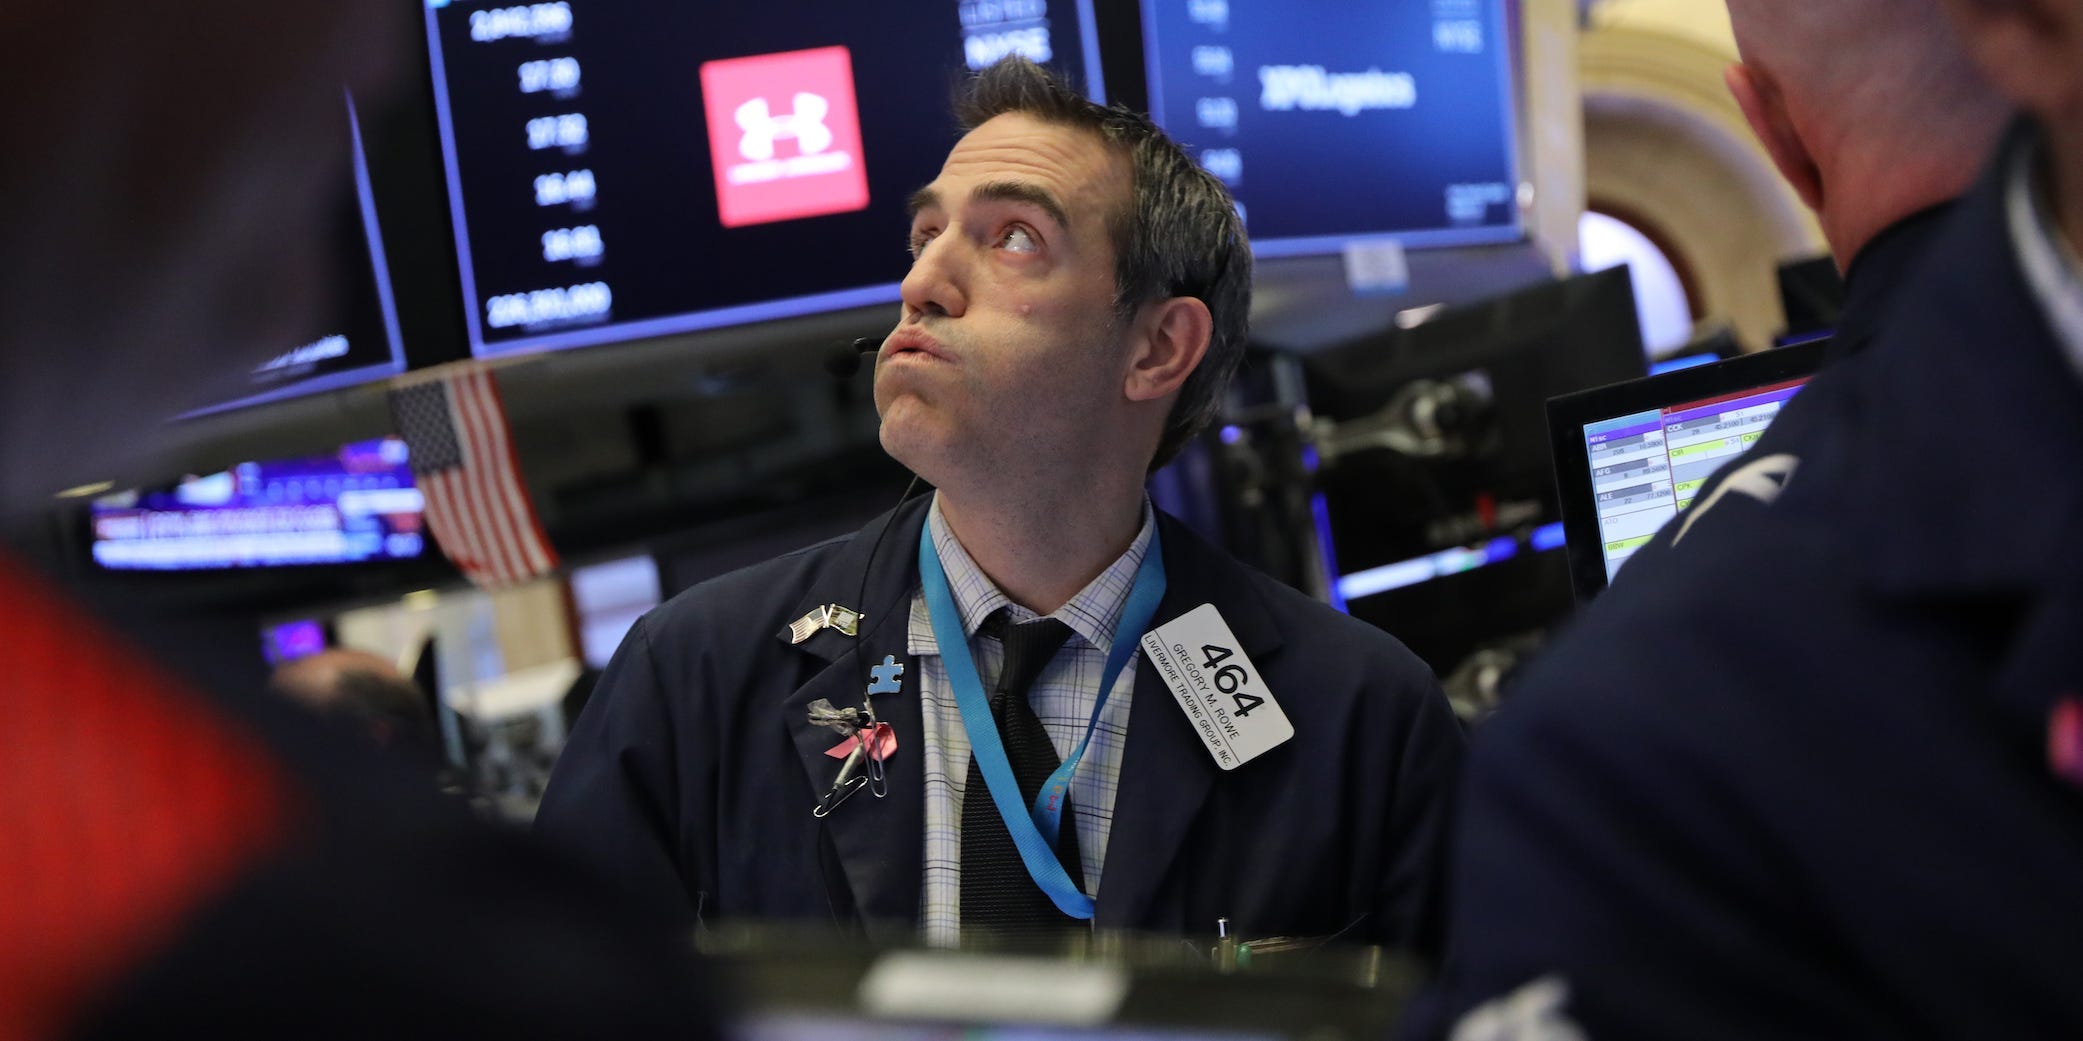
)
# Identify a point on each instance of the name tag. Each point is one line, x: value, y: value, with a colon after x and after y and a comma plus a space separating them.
x: 1217, y: 686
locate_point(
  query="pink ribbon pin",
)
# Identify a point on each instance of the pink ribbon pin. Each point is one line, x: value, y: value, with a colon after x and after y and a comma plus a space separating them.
x: 884, y: 746
x: 2065, y: 740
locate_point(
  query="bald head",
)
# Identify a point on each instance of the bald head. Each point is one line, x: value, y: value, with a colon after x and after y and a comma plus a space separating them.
x: 315, y: 680
x: 1870, y: 108
x: 360, y: 687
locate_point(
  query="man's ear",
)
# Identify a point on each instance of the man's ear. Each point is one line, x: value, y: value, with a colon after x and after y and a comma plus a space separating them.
x: 1765, y: 109
x: 1171, y: 339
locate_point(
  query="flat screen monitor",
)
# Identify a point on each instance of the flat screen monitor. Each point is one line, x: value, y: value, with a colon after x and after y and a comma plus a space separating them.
x: 1630, y: 457
x: 354, y: 506
x: 288, y: 641
x: 1438, y: 505
x: 352, y: 335
x: 1341, y: 120
x: 625, y: 169
x: 608, y: 598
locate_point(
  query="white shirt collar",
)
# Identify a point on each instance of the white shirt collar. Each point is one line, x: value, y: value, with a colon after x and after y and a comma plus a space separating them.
x: 2051, y: 267
x: 1093, y: 614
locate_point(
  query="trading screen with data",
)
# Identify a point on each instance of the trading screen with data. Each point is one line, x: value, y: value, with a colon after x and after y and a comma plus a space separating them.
x: 1647, y: 466
x: 1332, y: 120
x: 356, y: 505
x: 622, y: 169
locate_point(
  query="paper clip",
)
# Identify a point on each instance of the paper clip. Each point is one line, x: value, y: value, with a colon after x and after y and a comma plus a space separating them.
x: 843, y: 786
x: 871, y: 740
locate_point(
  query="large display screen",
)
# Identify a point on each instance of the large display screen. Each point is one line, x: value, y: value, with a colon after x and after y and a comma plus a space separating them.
x: 357, y: 505
x: 353, y: 335
x: 1336, y: 120
x: 632, y: 168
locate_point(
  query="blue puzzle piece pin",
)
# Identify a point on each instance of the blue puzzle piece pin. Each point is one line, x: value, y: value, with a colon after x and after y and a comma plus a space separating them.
x: 886, y: 675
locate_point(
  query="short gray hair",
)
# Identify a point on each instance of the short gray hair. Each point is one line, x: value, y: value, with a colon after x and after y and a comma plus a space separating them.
x: 1179, y: 236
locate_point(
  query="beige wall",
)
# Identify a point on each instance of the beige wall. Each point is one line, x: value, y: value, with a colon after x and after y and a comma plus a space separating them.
x: 1666, y: 147
x: 1702, y: 22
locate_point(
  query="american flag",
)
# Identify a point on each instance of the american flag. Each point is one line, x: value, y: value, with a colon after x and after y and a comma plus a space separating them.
x: 464, y: 462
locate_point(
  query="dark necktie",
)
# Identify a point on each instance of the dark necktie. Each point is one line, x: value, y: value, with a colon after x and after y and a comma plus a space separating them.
x: 998, y: 895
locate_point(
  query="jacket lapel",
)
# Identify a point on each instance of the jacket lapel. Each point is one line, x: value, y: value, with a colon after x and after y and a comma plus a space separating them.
x: 1166, y: 772
x: 879, y: 842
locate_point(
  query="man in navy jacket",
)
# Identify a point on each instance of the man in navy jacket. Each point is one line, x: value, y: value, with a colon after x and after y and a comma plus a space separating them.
x: 1819, y: 773
x: 1075, y: 306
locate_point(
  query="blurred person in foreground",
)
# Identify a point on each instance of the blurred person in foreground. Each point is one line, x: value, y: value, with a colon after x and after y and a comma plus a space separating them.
x: 183, y: 855
x: 1819, y: 773
x: 1879, y: 121
x: 1076, y: 304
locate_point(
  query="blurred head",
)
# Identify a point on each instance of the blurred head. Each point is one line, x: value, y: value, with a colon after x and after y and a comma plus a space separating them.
x: 161, y: 213
x: 2032, y: 51
x: 1079, y: 290
x: 1869, y: 108
x: 362, y: 690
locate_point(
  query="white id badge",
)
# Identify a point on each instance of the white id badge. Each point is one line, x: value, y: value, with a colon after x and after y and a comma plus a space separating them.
x: 1218, y: 687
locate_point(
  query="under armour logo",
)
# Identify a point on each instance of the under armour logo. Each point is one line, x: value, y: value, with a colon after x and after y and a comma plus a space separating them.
x: 806, y: 125
x: 1761, y: 479
x: 753, y: 104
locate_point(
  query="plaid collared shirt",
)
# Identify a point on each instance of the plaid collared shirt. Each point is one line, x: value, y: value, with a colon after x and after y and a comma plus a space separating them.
x: 1062, y: 697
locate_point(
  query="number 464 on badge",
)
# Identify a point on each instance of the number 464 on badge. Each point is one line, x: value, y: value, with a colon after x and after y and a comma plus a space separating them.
x: 1217, y: 686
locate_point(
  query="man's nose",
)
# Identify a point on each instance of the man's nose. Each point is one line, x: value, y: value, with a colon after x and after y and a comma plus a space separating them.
x: 937, y: 280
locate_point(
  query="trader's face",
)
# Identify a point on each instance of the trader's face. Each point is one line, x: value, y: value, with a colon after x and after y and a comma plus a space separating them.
x: 1007, y: 356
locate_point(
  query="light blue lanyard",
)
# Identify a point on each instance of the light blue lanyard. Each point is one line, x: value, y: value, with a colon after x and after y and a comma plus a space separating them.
x: 1033, y: 829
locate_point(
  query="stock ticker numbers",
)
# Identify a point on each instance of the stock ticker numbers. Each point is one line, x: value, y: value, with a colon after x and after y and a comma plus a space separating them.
x: 544, y: 22
x: 625, y: 171
x: 538, y: 44
x: 994, y: 29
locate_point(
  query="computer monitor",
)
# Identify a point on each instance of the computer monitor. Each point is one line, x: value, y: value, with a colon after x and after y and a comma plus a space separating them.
x: 1811, y: 291
x: 1436, y: 491
x: 608, y: 597
x: 1137, y: 988
x: 352, y: 334
x: 287, y: 641
x: 354, y: 506
x: 1335, y: 121
x: 640, y: 168
x: 1630, y: 457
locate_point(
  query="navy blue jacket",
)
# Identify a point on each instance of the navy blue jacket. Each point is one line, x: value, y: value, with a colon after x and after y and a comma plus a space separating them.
x: 691, y: 775
x: 1791, y: 780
